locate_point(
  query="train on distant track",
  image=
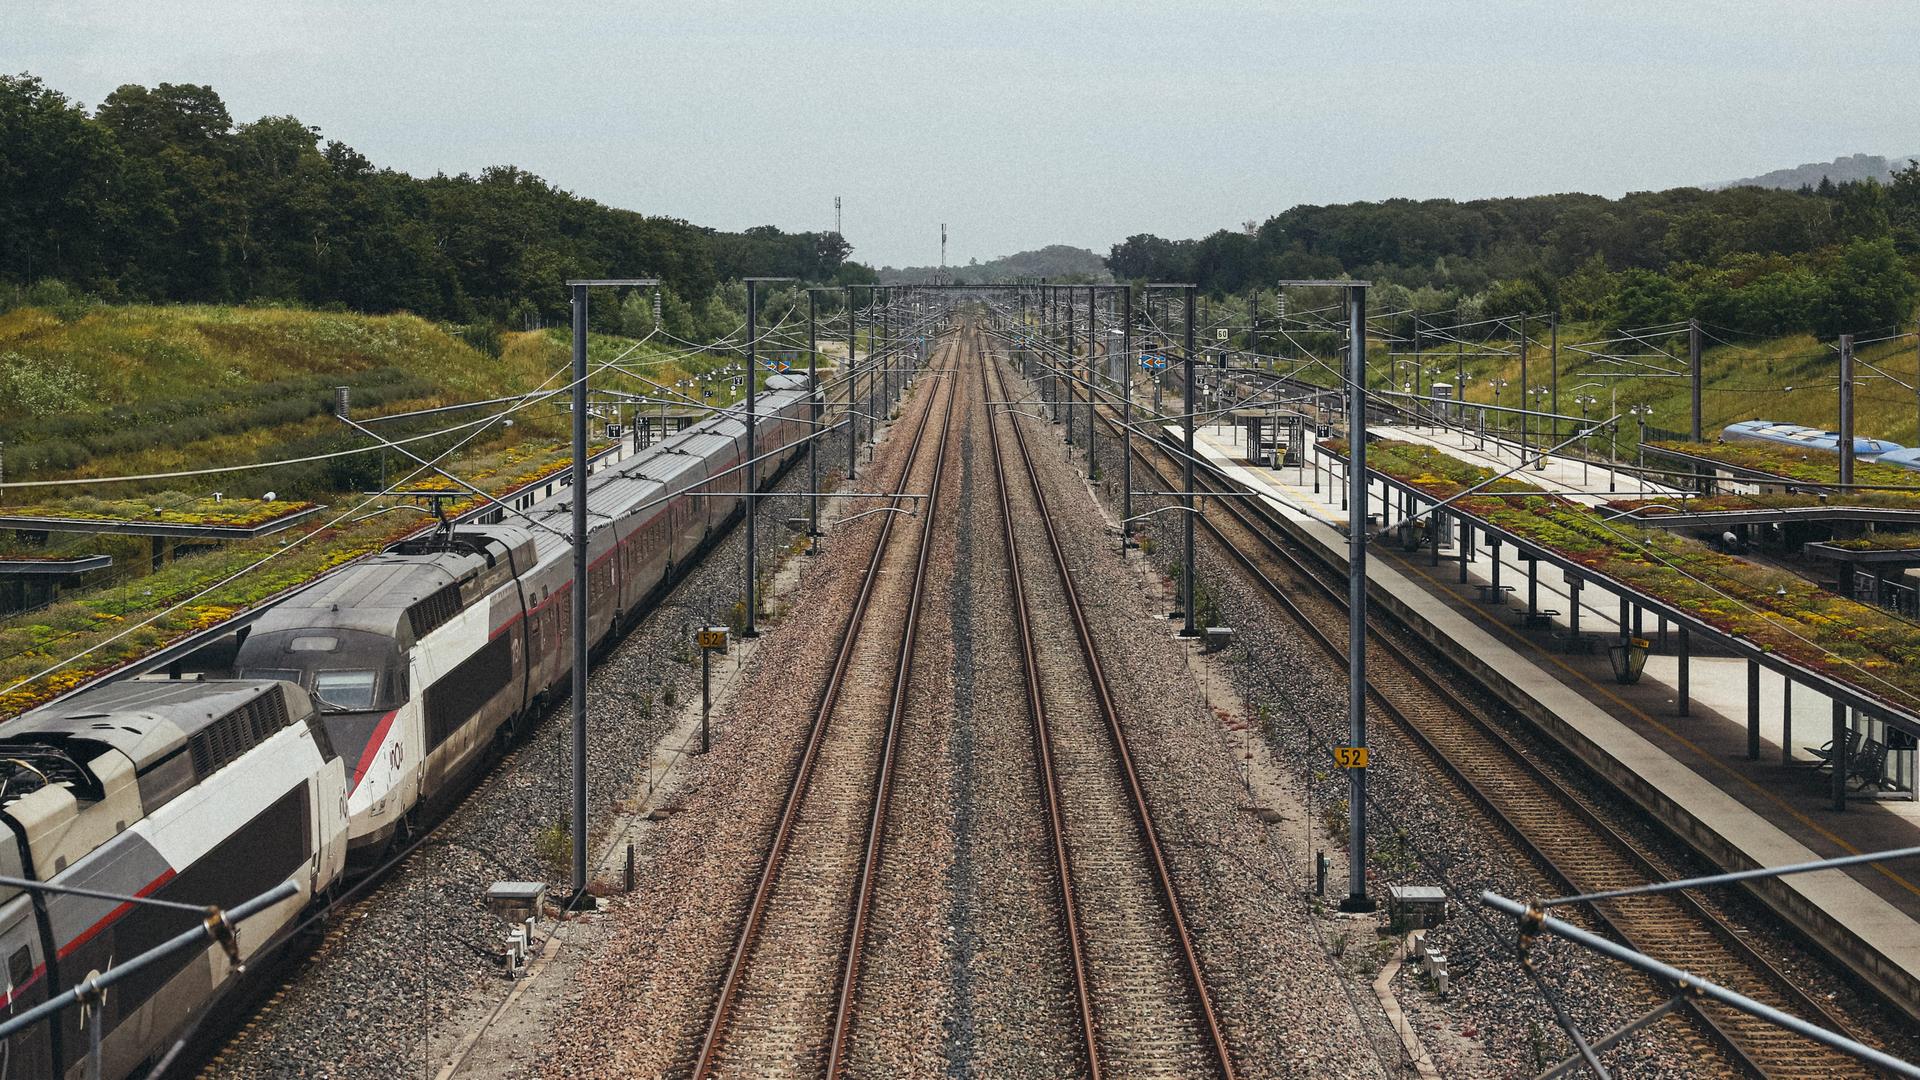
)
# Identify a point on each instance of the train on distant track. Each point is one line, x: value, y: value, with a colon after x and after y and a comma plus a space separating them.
x: 357, y: 703
x: 1800, y: 436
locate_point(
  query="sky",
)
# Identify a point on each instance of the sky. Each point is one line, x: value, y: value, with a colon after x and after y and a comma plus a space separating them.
x: 1024, y: 124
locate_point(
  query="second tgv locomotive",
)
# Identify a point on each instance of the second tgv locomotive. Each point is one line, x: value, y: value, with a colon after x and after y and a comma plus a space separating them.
x: 420, y: 658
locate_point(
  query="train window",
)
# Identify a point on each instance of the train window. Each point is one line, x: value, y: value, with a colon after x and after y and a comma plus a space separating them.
x: 20, y: 967
x: 296, y: 677
x: 346, y: 689
x: 314, y: 644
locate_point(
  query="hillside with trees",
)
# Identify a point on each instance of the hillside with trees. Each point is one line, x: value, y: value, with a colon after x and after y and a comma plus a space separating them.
x: 1832, y: 259
x: 159, y: 195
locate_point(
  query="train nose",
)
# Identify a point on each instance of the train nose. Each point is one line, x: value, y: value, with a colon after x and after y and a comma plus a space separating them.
x: 357, y: 737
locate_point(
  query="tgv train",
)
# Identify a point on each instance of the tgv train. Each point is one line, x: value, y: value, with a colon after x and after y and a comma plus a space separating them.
x: 193, y: 792
x: 360, y: 699
x: 1809, y: 438
x: 421, y: 658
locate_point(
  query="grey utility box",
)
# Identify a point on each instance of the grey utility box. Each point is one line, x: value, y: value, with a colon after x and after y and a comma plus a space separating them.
x: 516, y: 901
x: 1416, y: 907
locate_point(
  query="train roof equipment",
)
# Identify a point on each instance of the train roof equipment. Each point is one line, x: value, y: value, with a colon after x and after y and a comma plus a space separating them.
x: 1805, y: 438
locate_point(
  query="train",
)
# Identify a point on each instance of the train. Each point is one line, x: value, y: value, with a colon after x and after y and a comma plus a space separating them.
x: 354, y: 705
x: 1811, y: 438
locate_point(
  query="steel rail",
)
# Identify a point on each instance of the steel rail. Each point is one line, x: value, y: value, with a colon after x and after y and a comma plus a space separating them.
x: 1043, y: 755
x: 790, y: 811
x: 838, y: 1049
x: 1743, y: 1047
x: 1136, y: 795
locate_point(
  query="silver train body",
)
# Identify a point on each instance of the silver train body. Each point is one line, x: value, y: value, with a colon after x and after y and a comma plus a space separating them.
x: 195, y: 792
x: 359, y: 699
x: 423, y: 657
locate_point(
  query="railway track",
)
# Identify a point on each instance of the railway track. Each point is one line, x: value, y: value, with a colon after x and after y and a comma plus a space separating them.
x: 1141, y: 995
x: 1556, y: 827
x: 787, y: 1001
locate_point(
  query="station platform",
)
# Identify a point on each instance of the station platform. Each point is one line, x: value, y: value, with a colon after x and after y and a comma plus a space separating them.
x: 1688, y: 766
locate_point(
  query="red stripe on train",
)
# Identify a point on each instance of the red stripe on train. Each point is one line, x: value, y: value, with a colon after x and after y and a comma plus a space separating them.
x: 372, y: 750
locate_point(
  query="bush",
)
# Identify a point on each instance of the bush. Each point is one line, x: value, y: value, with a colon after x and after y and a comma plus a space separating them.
x: 483, y: 337
x: 52, y: 294
x: 37, y: 387
x: 554, y: 846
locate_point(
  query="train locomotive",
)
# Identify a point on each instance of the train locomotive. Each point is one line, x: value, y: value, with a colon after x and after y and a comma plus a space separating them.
x: 357, y: 702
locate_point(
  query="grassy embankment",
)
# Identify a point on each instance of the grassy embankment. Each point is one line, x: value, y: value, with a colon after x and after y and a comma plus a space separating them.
x: 122, y: 391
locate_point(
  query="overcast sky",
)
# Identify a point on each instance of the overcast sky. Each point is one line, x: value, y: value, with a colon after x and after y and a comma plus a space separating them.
x: 1022, y: 124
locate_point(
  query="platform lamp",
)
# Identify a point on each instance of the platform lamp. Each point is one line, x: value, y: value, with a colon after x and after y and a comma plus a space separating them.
x: 1640, y: 413
x: 581, y: 586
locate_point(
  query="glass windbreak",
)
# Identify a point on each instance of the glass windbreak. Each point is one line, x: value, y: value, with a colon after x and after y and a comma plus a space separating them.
x: 344, y: 689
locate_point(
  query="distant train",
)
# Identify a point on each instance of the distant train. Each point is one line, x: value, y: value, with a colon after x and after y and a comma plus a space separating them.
x: 1812, y: 438
x: 359, y: 700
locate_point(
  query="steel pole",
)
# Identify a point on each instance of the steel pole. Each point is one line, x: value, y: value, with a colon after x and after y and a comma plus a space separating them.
x: 1126, y: 414
x: 1553, y: 358
x: 1092, y: 380
x: 1356, y: 899
x: 1066, y: 383
x: 1190, y: 570
x: 814, y: 412
x: 580, y: 596
x: 852, y: 381
x: 753, y: 373
x: 1526, y: 388
x: 1846, y: 409
x: 1693, y: 368
x: 873, y: 360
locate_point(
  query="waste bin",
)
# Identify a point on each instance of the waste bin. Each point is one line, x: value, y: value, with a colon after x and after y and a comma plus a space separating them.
x: 1629, y: 659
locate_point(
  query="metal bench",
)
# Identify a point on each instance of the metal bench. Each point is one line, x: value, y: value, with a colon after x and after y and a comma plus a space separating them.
x: 1494, y: 594
x: 1823, y: 757
x: 1867, y: 768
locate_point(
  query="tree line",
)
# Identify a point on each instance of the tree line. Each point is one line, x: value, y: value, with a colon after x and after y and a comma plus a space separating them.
x: 158, y: 195
x: 1829, y: 259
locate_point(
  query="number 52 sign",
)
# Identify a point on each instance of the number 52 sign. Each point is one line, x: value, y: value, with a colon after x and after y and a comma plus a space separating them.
x: 1350, y: 757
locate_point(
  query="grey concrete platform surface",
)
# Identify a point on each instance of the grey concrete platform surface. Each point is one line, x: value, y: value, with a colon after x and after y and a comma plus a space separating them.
x: 1691, y: 772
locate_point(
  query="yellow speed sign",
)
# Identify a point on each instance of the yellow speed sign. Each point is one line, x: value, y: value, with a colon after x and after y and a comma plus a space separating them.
x: 1350, y: 757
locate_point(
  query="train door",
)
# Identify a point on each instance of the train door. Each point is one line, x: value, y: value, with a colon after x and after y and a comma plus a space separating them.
x: 29, y: 1053
x: 329, y: 824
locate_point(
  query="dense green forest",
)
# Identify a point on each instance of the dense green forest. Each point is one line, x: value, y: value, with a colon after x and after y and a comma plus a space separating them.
x: 158, y: 195
x: 1056, y: 262
x: 1834, y: 259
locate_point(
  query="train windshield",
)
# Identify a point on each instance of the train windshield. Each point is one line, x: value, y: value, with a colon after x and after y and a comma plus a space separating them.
x: 347, y: 690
